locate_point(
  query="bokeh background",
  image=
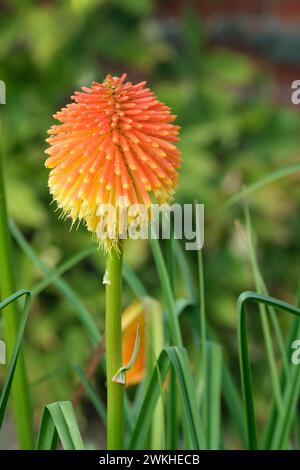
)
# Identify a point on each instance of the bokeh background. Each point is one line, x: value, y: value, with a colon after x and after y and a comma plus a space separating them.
x: 225, y: 67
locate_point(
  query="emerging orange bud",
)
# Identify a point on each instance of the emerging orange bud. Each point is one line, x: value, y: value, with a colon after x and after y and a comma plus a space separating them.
x: 133, y: 316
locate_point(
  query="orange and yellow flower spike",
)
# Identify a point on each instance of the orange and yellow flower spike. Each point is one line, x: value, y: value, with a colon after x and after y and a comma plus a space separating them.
x: 115, y: 142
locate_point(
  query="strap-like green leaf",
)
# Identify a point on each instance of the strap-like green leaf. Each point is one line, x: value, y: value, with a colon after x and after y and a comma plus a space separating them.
x: 14, y: 357
x: 81, y: 311
x: 134, y: 282
x: 229, y: 389
x: 287, y: 413
x: 167, y: 292
x: 178, y: 359
x: 271, y: 177
x: 213, y: 386
x: 285, y: 379
x: 246, y: 376
x: 63, y: 268
x: 59, y: 421
x: 88, y: 387
x: 266, y: 314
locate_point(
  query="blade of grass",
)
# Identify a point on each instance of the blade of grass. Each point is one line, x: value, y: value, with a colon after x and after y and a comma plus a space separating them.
x: 167, y: 292
x: 246, y: 376
x: 62, y: 269
x: 234, y: 403
x: 134, y: 282
x: 89, y: 390
x: 16, y: 351
x: 178, y: 359
x: 287, y: 413
x: 170, y: 259
x: 261, y: 287
x: 213, y: 386
x: 297, y: 433
x: 270, y: 178
x: 140, y: 291
x: 59, y: 420
x: 81, y: 311
x: 284, y: 380
x: 172, y: 405
x: 264, y: 313
x: 172, y: 425
x: 202, y: 335
x: 129, y: 413
x: 87, y: 385
x: 20, y: 392
x: 229, y: 388
x: 185, y: 271
x: 155, y: 345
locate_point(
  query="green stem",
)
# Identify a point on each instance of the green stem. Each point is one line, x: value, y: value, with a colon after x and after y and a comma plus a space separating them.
x: 20, y: 393
x: 115, y: 391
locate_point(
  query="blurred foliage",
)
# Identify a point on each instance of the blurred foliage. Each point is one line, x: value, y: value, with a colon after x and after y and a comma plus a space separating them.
x: 232, y: 134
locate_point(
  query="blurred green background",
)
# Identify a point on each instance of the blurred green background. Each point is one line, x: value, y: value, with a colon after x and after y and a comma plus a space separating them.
x: 233, y: 133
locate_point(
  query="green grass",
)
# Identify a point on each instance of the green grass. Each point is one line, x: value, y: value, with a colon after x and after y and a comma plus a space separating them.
x: 184, y: 387
x: 198, y: 427
x: 192, y: 395
x: 11, y: 321
x: 59, y: 421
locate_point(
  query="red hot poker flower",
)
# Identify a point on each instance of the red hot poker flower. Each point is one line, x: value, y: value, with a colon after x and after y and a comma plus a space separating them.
x: 115, y: 142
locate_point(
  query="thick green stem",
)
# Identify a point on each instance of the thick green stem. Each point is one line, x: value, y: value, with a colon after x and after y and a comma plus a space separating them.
x: 115, y: 391
x: 20, y: 393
